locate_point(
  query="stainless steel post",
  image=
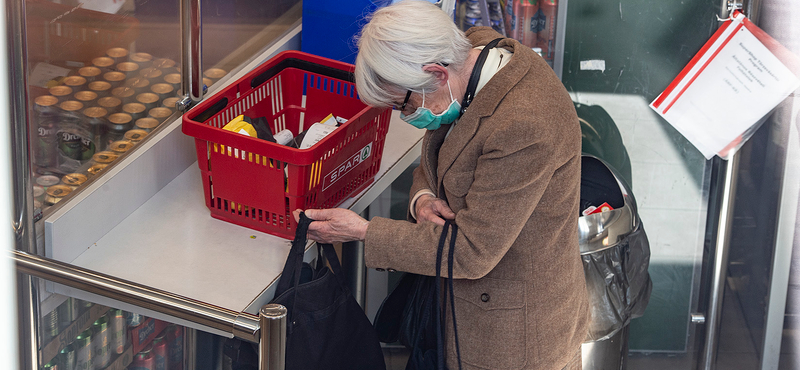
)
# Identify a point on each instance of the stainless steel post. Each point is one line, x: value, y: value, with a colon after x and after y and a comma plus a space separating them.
x: 354, y: 267
x: 22, y: 223
x: 191, y: 53
x: 189, y: 347
x: 272, y: 344
x: 722, y: 248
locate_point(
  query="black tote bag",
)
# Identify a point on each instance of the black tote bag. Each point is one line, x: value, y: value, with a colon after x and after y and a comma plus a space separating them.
x: 326, y: 328
x: 413, y: 315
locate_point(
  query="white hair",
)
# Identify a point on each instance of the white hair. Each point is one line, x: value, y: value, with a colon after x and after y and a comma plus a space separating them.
x: 398, y: 40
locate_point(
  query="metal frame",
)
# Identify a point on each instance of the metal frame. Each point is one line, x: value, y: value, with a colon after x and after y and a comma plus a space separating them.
x: 268, y: 329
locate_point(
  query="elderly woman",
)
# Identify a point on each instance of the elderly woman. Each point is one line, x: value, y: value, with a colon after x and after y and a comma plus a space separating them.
x: 505, y: 166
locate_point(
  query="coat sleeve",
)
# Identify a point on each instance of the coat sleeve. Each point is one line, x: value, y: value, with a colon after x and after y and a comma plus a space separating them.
x: 509, y: 178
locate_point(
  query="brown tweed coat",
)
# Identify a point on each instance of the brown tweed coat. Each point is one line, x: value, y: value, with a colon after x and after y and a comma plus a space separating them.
x: 510, y: 170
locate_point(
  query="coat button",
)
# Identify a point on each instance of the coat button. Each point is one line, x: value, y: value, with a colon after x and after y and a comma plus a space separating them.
x: 485, y: 297
x: 380, y: 270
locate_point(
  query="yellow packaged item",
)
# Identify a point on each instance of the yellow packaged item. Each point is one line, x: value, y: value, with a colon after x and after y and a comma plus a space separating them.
x: 241, y: 126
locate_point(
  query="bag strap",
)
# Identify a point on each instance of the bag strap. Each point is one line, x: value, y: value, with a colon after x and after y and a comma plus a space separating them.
x: 437, y: 282
x: 294, y: 262
x: 475, y: 76
x: 450, y: 262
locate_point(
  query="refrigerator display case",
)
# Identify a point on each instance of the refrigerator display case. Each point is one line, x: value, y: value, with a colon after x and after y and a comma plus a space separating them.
x: 120, y: 263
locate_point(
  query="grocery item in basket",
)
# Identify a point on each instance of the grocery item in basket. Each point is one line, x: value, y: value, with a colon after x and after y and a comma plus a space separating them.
x: 284, y: 137
x: 315, y: 133
x: 241, y: 126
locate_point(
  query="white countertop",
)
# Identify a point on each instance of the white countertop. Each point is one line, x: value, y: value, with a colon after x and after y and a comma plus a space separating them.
x: 172, y: 243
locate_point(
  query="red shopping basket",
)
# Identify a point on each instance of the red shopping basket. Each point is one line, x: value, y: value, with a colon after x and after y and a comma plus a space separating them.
x: 256, y: 183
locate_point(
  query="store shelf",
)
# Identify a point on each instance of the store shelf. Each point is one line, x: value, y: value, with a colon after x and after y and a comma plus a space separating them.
x: 172, y: 243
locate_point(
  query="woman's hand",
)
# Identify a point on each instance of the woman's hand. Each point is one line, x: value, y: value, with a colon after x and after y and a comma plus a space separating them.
x: 430, y: 208
x: 334, y: 225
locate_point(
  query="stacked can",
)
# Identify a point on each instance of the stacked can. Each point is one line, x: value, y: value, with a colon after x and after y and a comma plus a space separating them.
x: 47, y: 126
x: 101, y: 346
x: 118, y: 124
x: 117, y: 54
x: 547, y: 28
x: 530, y: 22
x: 103, y: 64
x: 90, y: 73
x: 83, y: 351
x: 144, y: 359
x: 67, y: 357
x: 175, y: 347
x: 74, y: 181
x: 118, y: 328
x: 160, y: 352
x: 51, y: 325
x: 101, y: 88
x: 76, y: 83
x: 135, y: 135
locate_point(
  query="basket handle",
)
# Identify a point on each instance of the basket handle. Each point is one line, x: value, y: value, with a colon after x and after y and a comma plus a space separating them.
x: 304, y: 65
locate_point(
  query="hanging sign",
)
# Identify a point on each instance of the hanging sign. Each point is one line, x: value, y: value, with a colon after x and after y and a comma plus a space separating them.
x: 735, y: 79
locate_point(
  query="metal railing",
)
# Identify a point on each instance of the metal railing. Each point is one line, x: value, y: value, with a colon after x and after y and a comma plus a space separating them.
x: 268, y: 328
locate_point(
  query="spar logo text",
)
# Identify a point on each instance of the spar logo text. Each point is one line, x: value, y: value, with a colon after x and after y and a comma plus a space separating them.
x: 356, y: 159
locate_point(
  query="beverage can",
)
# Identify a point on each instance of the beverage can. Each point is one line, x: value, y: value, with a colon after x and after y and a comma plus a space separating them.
x: 47, y: 181
x: 54, y: 195
x: 101, y: 346
x: 51, y: 325
x: 174, y: 347
x: 139, y: 84
x: 144, y: 60
x: 76, y: 83
x: 52, y: 365
x: 83, y: 351
x: 117, y: 54
x: 111, y: 104
x: 38, y: 193
x: 46, y: 141
x: 85, y: 97
x: 135, y: 135
x: 124, y: 93
x: 118, y: 328
x: 160, y: 113
x: 148, y: 100
x: 101, y: 88
x: 174, y: 80
x: 215, y: 73
x: 76, y: 144
x: 67, y: 357
x: 144, y: 360
x: 114, y: 78
x: 151, y: 72
x: 120, y: 147
x: 102, y: 63
x: 547, y: 28
x: 163, y: 90
x: 104, y: 157
x: 170, y: 103
x: 96, y: 168
x: 74, y: 180
x: 163, y: 63
x: 147, y: 124
x: 160, y: 351
x: 118, y: 124
x: 530, y: 22
x: 135, y: 110
x: 61, y: 93
x: 90, y: 73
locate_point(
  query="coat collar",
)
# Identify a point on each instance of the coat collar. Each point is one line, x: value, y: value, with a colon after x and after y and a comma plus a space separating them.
x: 439, y: 160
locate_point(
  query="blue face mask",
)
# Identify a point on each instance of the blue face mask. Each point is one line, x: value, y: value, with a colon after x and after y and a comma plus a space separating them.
x: 424, y: 118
